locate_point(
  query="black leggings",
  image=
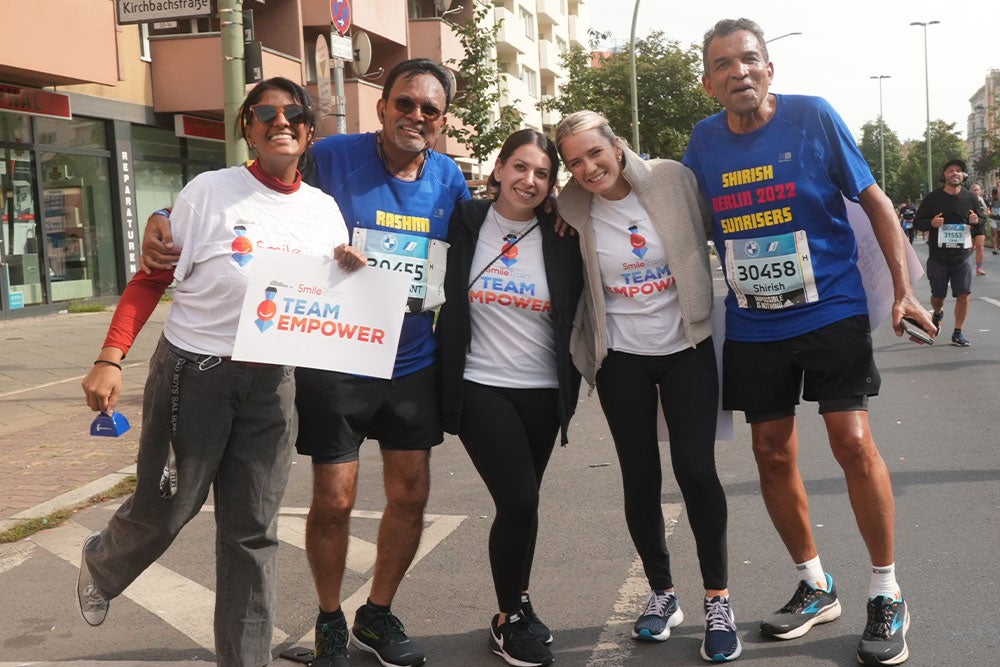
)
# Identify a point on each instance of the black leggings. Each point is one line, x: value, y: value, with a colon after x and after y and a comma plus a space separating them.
x: 689, y: 391
x: 509, y: 435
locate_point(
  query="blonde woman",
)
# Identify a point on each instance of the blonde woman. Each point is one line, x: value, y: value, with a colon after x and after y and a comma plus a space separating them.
x: 643, y: 335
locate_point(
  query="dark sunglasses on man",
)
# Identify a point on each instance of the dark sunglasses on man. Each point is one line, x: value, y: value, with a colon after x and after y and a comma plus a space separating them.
x: 266, y: 113
x: 405, y: 106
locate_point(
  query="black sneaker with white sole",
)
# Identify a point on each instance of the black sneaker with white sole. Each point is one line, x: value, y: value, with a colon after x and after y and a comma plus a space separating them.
x: 661, y: 612
x: 538, y: 628
x: 884, y: 638
x: 381, y: 634
x: 808, y: 607
x: 516, y: 644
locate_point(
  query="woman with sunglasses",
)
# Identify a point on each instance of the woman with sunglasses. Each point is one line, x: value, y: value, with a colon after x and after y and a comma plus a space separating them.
x: 644, y: 336
x: 210, y: 422
x: 508, y: 383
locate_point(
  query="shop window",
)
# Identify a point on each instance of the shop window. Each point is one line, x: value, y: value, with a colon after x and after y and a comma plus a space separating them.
x: 74, y: 133
x: 155, y: 142
x: 20, y: 246
x: 77, y: 222
x: 15, y: 128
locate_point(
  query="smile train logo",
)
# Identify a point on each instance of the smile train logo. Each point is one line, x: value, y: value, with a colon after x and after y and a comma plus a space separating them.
x: 267, y: 309
x: 638, y: 241
x: 509, y: 250
x: 242, y: 247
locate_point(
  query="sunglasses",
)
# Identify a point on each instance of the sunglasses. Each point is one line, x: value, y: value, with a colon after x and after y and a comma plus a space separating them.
x: 266, y: 113
x: 405, y: 106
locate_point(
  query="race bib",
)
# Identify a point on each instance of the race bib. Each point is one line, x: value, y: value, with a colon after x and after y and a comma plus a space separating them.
x: 422, y: 258
x: 955, y: 235
x: 771, y: 272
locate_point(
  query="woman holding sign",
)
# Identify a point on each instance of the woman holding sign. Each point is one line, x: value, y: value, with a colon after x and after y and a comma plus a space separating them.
x: 209, y: 421
x: 644, y: 337
x: 508, y: 384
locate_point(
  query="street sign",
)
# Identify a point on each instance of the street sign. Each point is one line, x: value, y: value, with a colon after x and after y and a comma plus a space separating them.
x: 340, y: 13
x: 137, y: 11
x: 341, y: 47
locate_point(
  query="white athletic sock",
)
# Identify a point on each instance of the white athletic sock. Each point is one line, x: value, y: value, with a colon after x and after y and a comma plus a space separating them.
x: 812, y: 573
x: 883, y: 582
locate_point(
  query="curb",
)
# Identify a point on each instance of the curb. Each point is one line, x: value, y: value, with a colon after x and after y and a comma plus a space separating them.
x: 69, y: 499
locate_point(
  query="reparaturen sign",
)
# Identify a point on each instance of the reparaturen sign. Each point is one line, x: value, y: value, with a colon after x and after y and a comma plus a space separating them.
x: 147, y: 11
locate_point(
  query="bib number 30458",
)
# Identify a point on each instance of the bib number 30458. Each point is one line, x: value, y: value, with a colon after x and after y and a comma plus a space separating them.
x: 771, y: 272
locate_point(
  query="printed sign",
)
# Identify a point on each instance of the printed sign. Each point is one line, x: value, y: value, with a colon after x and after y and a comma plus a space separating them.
x: 148, y: 11
x: 306, y: 311
x: 871, y: 262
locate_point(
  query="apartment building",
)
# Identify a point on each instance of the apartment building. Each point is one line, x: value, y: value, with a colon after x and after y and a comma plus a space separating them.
x: 102, y: 123
x: 984, y: 127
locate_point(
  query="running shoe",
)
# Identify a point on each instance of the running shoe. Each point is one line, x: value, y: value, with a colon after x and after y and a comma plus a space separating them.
x: 808, y: 607
x: 661, y: 613
x: 980, y: 272
x: 331, y: 644
x: 721, y: 643
x: 884, y: 640
x: 538, y: 628
x: 959, y: 340
x: 93, y: 605
x: 381, y: 634
x: 517, y: 644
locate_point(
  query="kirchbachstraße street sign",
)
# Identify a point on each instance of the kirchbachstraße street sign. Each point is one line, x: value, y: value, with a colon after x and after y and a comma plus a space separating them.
x: 147, y: 11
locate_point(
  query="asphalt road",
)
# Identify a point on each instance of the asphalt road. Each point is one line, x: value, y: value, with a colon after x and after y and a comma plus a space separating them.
x: 936, y: 424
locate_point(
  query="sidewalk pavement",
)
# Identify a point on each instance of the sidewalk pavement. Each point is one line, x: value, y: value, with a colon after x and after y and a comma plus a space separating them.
x: 48, y: 459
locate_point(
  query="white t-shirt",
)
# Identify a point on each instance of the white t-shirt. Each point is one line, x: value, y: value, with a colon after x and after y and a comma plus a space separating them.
x: 640, y: 294
x: 513, y: 335
x: 221, y: 221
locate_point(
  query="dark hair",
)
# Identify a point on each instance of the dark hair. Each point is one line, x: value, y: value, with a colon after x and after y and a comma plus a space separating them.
x: 415, y: 67
x: 515, y: 141
x: 727, y: 27
x: 297, y: 92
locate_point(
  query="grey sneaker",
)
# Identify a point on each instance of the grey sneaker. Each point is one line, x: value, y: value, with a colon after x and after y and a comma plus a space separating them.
x: 331, y: 644
x: 661, y: 614
x: 93, y: 604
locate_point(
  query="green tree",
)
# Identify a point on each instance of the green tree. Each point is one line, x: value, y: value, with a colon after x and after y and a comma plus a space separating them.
x: 945, y: 145
x: 871, y: 149
x: 668, y: 81
x: 485, y: 122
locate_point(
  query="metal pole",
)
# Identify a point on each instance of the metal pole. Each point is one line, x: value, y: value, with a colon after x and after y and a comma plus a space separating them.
x: 233, y: 76
x: 339, y: 98
x: 635, y: 92
x: 881, y: 124
x: 927, y: 96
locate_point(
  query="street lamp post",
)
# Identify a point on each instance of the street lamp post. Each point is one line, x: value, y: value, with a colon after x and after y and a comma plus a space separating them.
x: 635, y: 92
x: 775, y: 39
x: 881, y: 124
x: 927, y: 95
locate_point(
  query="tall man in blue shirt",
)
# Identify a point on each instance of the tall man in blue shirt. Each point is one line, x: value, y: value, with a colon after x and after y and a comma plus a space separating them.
x: 773, y: 168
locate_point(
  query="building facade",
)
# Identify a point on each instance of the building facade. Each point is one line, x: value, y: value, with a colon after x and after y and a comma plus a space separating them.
x: 983, y: 130
x: 110, y: 121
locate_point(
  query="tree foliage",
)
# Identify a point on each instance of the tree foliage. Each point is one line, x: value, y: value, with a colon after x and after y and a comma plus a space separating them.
x: 668, y: 81
x: 871, y: 149
x: 945, y: 145
x: 485, y: 122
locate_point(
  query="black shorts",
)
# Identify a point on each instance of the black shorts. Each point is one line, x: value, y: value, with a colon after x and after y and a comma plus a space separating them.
x: 959, y: 274
x: 338, y: 411
x: 833, y: 365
